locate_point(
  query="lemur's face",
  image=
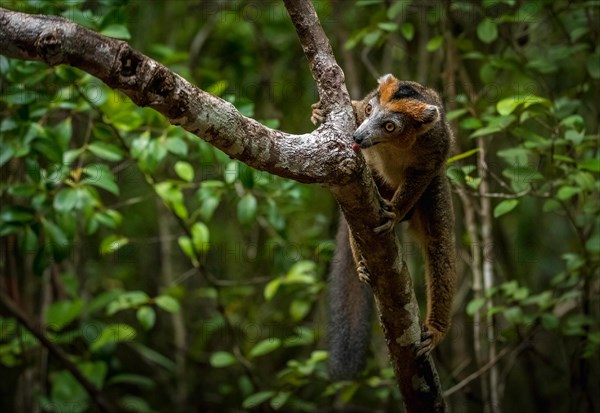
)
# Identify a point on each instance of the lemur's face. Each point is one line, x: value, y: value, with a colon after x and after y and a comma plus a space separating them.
x: 397, y: 114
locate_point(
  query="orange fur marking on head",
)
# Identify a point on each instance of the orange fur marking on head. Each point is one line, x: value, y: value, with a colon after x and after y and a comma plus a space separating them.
x: 412, y: 107
x: 387, y: 89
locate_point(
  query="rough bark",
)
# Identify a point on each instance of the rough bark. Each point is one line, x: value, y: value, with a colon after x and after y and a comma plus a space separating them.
x: 324, y: 156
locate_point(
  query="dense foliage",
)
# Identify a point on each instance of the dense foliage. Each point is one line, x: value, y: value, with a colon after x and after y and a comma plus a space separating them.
x: 177, y: 279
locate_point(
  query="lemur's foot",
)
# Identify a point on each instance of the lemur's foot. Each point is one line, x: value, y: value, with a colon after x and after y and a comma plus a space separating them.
x: 317, y: 116
x: 430, y: 337
x: 363, y: 272
x: 387, y: 209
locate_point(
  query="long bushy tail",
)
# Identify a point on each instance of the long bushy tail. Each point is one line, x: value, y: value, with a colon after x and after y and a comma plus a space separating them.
x: 351, y: 307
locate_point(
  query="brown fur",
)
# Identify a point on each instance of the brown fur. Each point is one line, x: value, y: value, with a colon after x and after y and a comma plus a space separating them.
x: 409, y: 169
x: 411, y: 163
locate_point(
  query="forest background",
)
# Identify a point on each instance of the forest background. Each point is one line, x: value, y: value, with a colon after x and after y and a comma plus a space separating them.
x: 178, y: 279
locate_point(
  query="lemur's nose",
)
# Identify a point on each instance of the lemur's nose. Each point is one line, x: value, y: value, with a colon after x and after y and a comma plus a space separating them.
x: 358, y: 136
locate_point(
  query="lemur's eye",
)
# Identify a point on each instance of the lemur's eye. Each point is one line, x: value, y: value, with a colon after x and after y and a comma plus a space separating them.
x: 389, y: 126
x: 368, y: 109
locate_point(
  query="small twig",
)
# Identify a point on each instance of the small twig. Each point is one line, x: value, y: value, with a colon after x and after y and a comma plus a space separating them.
x: 483, y: 369
x: 505, y: 196
x: 364, y: 57
x: 95, y: 394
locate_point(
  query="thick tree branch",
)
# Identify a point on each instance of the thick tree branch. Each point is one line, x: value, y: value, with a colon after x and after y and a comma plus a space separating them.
x: 324, y: 156
x: 311, y: 158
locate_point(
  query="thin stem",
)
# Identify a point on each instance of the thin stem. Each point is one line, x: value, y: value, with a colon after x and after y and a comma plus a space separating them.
x: 95, y: 394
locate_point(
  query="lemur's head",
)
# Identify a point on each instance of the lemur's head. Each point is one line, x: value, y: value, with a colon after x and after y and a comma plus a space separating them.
x: 399, y: 113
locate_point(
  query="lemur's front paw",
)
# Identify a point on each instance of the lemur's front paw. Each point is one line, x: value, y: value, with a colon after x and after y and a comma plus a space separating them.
x: 388, y: 211
x: 363, y: 272
x: 317, y: 116
x: 430, y: 337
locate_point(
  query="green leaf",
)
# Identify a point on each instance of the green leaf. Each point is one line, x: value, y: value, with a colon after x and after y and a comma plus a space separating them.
x: 105, y: 182
x: 434, y: 43
x: 567, y: 192
x: 102, y: 300
x: 514, y: 315
x: 550, y: 321
x: 176, y: 146
x: 127, y: 300
x: 246, y: 209
x: 140, y: 144
x: 487, y: 31
x: 475, y: 305
x: 200, y: 236
x: 109, y: 218
x: 551, y: 205
x: 209, y: 206
x: 172, y: 195
x: 488, y: 73
x: 280, y: 399
x: 593, y: 243
x: 63, y: 132
x: 573, y: 122
x: 135, y: 379
x: 218, y: 87
x: 154, y: 356
x: 118, y: 31
x: 230, y: 175
x: 372, y: 38
x: 388, y: 26
x: 508, y: 105
x: 407, y: 30
x: 146, y: 316
x: 112, y: 243
x: 455, y: 114
x: 299, y: 309
x: 167, y: 303
x: 184, y: 170
x: 127, y: 119
x: 30, y: 240
x: 114, y: 333
x: 395, y: 9
x: 505, y: 207
x: 271, y: 288
x: 257, y: 399
x: 222, y: 359
x: 185, y: 243
x: 58, y: 239
x: 265, y: 346
x: 488, y: 130
x: 6, y: 154
x: 302, y: 272
x: 593, y: 65
x: 70, y: 156
x: 17, y: 214
x: 471, y: 123
x: 61, y: 313
x: 574, y: 136
x: 65, y: 200
x: 592, y: 165
x: 521, y: 294
x: 106, y: 151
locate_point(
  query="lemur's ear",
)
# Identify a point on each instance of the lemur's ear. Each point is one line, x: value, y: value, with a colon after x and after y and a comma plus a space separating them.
x: 385, y: 78
x: 429, y: 116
